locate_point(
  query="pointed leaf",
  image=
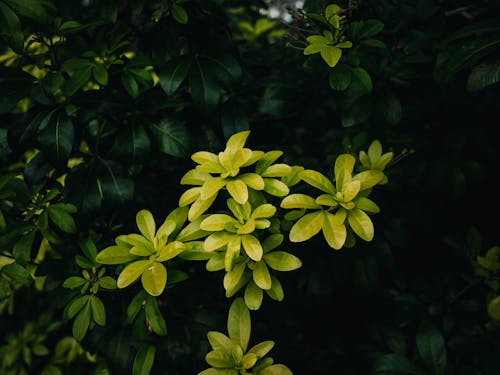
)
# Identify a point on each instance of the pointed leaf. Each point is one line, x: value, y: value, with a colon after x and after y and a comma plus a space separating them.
x: 143, y: 361
x: 238, y: 323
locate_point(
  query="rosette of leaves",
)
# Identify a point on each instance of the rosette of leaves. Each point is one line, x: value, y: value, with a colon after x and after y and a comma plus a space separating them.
x: 375, y: 159
x: 215, y: 172
x: 257, y: 276
x: 238, y: 231
x: 331, y: 42
x: 87, y: 309
x: 143, y: 254
x: 342, y: 209
x: 230, y: 354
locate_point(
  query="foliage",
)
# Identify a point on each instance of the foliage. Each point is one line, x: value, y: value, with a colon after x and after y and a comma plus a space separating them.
x: 117, y: 255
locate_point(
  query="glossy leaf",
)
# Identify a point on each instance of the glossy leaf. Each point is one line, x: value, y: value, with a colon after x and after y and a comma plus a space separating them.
x: 173, y: 73
x: 431, y: 347
x: 143, y: 361
x: 306, y: 227
x: 238, y: 323
x: 154, y: 279
x: 56, y: 139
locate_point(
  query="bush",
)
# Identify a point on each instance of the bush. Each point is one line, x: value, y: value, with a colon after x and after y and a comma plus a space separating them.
x: 230, y: 187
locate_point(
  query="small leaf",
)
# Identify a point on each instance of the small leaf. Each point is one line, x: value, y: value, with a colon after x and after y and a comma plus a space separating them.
x: 98, y: 311
x: 361, y: 224
x: 179, y: 14
x: 76, y: 305
x: 155, y: 317
x: 17, y: 273
x: 219, y: 341
x: 306, y: 227
x: 146, y: 224
x: 253, y: 296
x: 22, y: 248
x: 115, y: 255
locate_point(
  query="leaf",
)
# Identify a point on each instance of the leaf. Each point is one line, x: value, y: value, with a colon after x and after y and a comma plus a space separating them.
x: 113, y: 186
x: 494, y: 308
x: 306, y: 227
x: 331, y: 55
x: 10, y: 28
x: 277, y: 369
x: 483, y: 75
x: 262, y: 348
x: 56, y: 139
x: 318, y: 180
x: 252, y: 247
x: 219, y: 341
x: 146, y: 224
x: 391, y: 364
x: 261, y: 276
x: 171, y: 137
x: 155, y: 317
x: 33, y: 9
x: 370, y: 28
x: 233, y: 118
x: 73, y: 282
x: 82, y: 322
x: 130, y: 84
x: 76, y: 305
x: 173, y: 73
x: 154, y: 279
x: 238, y: 323
x: 100, y: 74
x: 143, y: 361
x: 220, y: 359
x: 361, y: 224
x: 179, y: 14
x: 362, y: 78
x: 18, y: 274
x: 299, y: 201
x: 22, y: 248
x: 131, y: 144
x: 203, y: 85
x: 61, y: 218
x: 253, y: 296
x: 131, y: 272
x: 98, y: 311
x: 340, y: 77
x: 77, y: 80
x: 282, y: 261
x: 431, y: 348
x: 115, y: 255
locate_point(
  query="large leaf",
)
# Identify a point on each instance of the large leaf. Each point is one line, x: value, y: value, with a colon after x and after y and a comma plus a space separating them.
x: 238, y: 323
x: 306, y: 227
x: 10, y: 28
x: 173, y: 73
x: 131, y: 144
x: 171, y: 137
x: 391, y: 364
x: 56, y: 139
x: 203, y: 84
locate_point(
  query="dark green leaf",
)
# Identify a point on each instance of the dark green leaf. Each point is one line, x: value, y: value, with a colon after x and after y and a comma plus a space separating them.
x: 143, y: 361
x: 10, y: 28
x: 100, y: 74
x: 395, y: 364
x: 155, y: 317
x: 22, y: 248
x: 61, y: 218
x: 34, y: 9
x: 17, y: 273
x: 82, y: 322
x: 131, y: 144
x: 483, y: 75
x: 430, y: 345
x: 14, y: 86
x: 203, y: 84
x: 135, y: 306
x: 88, y: 248
x: 98, y: 311
x: 5, y: 289
x: 233, y: 118
x: 340, y: 77
x: 370, y: 28
x: 179, y: 14
x: 113, y: 186
x: 130, y: 84
x: 173, y: 73
x: 171, y: 137
x: 77, y: 80
x: 56, y: 139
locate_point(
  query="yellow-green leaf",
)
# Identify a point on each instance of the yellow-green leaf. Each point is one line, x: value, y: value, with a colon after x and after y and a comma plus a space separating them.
x: 276, y: 187
x: 146, y: 224
x: 350, y: 190
x: 132, y: 272
x: 276, y: 291
x: 369, y: 178
x: 282, y: 261
x: 154, y: 278
x: 299, y: 201
x: 115, y: 255
x: 253, y: 296
x: 361, y: 224
x: 318, y: 180
x: 212, y: 187
x: 170, y: 251
x: 277, y: 170
x: 252, y: 180
x: 306, y: 227
x: 261, y: 276
x: 189, y: 196
x: 232, y: 277
x: 366, y: 204
x: 335, y: 234
x: 238, y: 323
x: 252, y: 247
x: 216, y: 222
x: 199, y: 207
x: 217, y: 240
x: 238, y: 190
x: 219, y: 341
x: 264, y: 211
x: 262, y: 348
x: 331, y: 55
